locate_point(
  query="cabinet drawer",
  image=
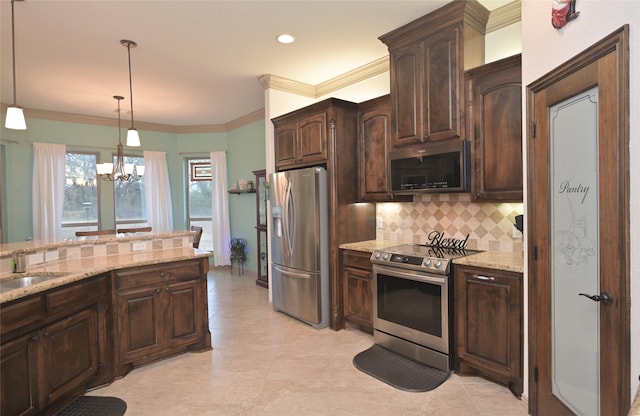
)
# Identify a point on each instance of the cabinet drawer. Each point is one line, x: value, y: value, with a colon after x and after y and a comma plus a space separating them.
x: 157, y: 275
x: 76, y: 296
x: 359, y: 259
x: 22, y: 313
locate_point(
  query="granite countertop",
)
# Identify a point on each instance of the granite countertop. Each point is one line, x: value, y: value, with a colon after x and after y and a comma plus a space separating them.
x: 488, y: 259
x: 73, y: 270
x: 370, y: 246
x: 494, y: 260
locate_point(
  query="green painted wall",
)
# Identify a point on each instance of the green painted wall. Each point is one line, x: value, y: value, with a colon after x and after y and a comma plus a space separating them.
x: 245, y: 152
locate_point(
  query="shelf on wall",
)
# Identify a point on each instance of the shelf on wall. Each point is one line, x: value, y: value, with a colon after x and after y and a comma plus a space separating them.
x: 238, y: 191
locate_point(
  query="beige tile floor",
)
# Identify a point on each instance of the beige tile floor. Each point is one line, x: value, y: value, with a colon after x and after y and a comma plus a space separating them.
x: 266, y: 363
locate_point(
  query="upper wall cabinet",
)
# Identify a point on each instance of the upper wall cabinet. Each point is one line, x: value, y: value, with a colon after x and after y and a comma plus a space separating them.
x: 494, y: 125
x: 301, y: 141
x: 428, y: 58
x: 374, y: 140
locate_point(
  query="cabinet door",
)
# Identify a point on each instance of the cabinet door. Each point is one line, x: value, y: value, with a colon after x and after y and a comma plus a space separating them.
x: 183, y: 317
x: 488, y: 313
x: 18, y: 372
x: 406, y: 86
x: 374, y: 138
x: 70, y: 355
x: 312, y: 139
x: 285, y: 138
x: 358, y: 303
x: 140, y: 323
x: 442, y: 90
x: 495, y: 109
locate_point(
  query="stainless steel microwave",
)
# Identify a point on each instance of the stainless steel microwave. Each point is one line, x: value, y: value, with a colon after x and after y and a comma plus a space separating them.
x: 435, y: 167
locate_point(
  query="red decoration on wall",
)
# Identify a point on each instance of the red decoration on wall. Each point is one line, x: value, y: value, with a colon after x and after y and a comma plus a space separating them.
x: 562, y: 12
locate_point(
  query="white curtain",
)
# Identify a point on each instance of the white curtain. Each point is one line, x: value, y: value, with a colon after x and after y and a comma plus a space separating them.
x: 157, y: 192
x: 220, y: 210
x: 48, y: 190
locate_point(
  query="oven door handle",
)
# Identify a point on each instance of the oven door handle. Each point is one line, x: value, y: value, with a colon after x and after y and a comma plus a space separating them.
x: 407, y: 274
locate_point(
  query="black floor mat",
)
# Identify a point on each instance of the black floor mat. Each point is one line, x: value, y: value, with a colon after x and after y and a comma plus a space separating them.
x: 95, y: 406
x: 399, y: 371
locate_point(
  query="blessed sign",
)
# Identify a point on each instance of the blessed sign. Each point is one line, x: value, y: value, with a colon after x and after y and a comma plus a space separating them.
x: 436, y: 238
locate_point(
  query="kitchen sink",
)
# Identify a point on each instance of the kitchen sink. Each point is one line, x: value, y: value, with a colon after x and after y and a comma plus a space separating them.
x: 26, y: 281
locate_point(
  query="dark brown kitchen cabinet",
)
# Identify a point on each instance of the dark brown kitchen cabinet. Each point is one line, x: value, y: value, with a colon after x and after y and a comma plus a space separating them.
x: 494, y: 122
x: 18, y: 371
x: 302, y: 141
x: 47, y: 362
x: 374, y: 141
x: 488, y: 325
x: 160, y: 310
x: 358, y: 289
x: 428, y: 57
x: 261, y: 226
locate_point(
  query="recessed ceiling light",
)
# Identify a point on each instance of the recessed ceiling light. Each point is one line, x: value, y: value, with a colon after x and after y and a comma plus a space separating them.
x: 285, y: 38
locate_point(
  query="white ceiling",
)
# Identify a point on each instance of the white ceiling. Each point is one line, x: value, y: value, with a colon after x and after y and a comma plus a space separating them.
x: 197, y: 61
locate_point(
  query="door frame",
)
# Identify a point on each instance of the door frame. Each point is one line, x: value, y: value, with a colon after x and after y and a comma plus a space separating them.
x: 582, y: 69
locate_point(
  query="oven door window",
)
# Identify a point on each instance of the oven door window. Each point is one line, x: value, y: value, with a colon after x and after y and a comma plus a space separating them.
x: 410, y: 303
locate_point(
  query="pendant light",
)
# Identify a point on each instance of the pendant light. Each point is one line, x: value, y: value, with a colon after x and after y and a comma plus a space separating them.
x: 15, y: 116
x: 120, y: 171
x: 133, y: 139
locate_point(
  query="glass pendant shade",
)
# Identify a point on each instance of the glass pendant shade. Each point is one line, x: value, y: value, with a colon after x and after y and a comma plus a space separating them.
x: 133, y: 139
x: 140, y: 170
x: 15, y: 119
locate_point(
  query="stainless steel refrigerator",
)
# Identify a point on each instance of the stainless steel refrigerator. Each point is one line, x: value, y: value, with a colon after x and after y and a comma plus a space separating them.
x: 300, y: 244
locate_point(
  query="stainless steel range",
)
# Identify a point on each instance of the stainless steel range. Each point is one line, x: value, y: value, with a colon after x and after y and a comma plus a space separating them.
x: 413, y: 301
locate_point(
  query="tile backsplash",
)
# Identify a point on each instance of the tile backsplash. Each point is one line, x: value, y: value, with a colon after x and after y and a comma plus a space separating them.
x: 489, y: 225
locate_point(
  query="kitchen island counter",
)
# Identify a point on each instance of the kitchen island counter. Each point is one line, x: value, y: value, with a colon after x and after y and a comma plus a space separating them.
x: 369, y: 246
x: 74, y: 261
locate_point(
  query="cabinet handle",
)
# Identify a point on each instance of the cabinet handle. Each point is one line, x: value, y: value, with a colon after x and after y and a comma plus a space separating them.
x: 46, y: 334
x: 158, y: 290
x: 34, y: 338
x: 166, y: 289
x: 480, y: 277
x: 161, y: 274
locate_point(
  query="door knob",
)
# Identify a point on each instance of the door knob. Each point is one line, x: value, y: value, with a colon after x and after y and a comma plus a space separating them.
x: 603, y: 297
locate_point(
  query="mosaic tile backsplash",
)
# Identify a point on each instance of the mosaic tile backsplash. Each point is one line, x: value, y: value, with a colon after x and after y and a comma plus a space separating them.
x: 489, y: 225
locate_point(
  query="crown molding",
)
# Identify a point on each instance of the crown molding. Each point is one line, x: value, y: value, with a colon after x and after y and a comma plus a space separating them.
x: 287, y: 85
x: 505, y: 16
x: 141, y: 125
x: 377, y: 67
x: 359, y: 74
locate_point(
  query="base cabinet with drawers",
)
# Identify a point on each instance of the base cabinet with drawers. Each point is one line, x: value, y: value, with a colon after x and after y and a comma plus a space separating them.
x: 159, y: 311
x: 357, y: 278
x: 54, y: 347
x: 57, y: 344
x: 488, y: 325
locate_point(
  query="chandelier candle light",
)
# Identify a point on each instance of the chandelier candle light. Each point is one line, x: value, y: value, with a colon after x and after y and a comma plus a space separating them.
x: 15, y: 116
x: 133, y: 139
x: 120, y: 171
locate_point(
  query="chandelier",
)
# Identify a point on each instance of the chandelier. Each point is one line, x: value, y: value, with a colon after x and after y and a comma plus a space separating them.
x: 120, y: 171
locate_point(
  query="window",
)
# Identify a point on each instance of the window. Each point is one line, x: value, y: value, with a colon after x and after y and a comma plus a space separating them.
x: 81, y: 209
x: 129, y: 197
x: 199, y: 200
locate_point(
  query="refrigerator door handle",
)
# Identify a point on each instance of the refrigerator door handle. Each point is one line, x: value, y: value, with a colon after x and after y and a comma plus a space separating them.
x: 294, y: 274
x: 288, y: 217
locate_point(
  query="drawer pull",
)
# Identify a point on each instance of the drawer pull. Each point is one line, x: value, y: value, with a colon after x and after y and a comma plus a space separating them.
x: 480, y: 277
x: 158, y: 290
x: 161, y: 274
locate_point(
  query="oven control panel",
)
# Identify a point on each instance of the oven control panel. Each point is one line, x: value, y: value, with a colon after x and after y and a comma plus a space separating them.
x: 410, y: 262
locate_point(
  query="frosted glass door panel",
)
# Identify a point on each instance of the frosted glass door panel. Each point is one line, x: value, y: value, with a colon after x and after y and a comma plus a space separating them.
x: 575, y: 253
